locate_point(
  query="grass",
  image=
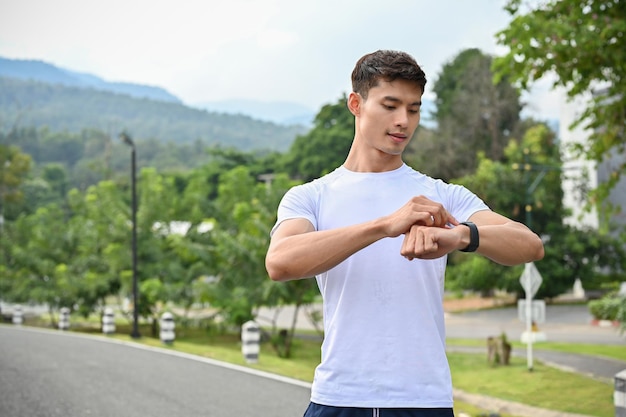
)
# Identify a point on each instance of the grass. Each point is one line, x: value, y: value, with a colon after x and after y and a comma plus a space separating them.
x: 608, y: 351
x: 544, y: 387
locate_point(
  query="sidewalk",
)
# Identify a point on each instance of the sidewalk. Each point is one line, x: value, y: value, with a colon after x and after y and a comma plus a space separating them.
x: 496, y: 405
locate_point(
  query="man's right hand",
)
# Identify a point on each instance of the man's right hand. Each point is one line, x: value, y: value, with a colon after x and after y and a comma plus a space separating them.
x: 421, y: 211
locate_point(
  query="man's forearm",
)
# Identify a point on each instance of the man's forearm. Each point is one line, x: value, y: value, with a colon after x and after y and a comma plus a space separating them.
x: 308, y: 254
x: 510, y: 243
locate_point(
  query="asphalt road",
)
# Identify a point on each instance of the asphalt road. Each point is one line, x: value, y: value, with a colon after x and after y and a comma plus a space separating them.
x: 563, y: 323
x: 46, y: 373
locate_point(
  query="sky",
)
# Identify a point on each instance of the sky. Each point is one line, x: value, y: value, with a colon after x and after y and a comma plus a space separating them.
x: 269, y: 50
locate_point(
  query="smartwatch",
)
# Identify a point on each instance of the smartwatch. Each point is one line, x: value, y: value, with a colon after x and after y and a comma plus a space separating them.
x: 474, y: 238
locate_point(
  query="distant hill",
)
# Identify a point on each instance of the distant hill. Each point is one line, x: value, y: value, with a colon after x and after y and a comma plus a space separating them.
x: 59, y: 107
x: 279, y: 112
x: 283, y: 113
x: 48, y: 73
x: 288, y: 113
x: 34, y: 93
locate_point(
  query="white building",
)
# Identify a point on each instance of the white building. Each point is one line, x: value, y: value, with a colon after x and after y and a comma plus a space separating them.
x: 581, y: 175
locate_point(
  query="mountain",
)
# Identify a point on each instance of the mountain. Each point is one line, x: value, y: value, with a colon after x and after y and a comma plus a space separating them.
x: 26, y: 103
x: 288, y: 113
x: 48, y: 73
x: 37, y: 94
x: 279, y: 112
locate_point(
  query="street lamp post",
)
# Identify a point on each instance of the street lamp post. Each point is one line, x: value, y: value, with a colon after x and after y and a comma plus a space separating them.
x: 128, y: 141
x: 530, y: 188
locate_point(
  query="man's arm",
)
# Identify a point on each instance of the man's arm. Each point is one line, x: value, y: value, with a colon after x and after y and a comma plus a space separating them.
x: 505, y: 241
x: 502, y: 240
x: 298, y: 251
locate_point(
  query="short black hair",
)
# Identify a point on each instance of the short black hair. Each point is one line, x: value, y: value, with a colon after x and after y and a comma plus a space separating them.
x: 386, y: 65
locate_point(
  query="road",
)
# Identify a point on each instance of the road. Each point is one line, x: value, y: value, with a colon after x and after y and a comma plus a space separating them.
x: 49, y: 373
x: 46, y: 373
x: 564, y: 323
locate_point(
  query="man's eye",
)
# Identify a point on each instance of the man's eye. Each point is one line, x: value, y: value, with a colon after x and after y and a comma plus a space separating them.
x: 414, y: 111
x: 388, y: 107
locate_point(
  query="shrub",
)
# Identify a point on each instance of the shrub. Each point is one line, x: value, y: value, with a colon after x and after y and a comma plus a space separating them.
x: 610, y: 307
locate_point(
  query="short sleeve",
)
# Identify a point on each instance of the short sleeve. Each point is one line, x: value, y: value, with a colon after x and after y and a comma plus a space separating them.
x: 298, y: 203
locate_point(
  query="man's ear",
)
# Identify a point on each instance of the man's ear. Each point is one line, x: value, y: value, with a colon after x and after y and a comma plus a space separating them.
x: 354, y: 103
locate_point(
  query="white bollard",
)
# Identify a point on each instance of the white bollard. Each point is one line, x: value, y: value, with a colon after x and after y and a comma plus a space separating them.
x: 250, y: 341
x: 108, y: 321
x: 167, y: 326
x: 619, y: 394
x: 18, y: 315
x: 64, y: 318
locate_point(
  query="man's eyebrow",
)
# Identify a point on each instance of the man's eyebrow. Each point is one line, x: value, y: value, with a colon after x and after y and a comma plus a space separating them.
x: 397, y: 100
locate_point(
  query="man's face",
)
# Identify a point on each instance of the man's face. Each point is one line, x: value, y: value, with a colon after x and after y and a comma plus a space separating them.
x: 390, y: 115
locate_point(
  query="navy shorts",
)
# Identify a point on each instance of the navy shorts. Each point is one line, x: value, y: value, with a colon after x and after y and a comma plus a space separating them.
x: 318, y: 410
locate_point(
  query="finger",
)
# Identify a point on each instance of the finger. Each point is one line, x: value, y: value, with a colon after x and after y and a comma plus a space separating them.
x: 407, y: 248
x: 425, y: 242
x: 452, y: 221
x: 430, y: 244
x: 417, y: 241
x: 447, y: 220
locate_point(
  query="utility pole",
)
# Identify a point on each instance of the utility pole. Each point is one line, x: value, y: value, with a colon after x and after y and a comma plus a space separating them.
x: 128, y: 141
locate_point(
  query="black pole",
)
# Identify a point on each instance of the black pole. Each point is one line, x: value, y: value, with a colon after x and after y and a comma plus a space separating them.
x: 133, y: 180
x: 528, y: 206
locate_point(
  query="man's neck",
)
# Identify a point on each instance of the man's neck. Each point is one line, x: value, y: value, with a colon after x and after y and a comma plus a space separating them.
x: 372, y: 160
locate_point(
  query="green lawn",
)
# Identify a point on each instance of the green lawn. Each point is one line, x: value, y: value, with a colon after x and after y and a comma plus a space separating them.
x: 544, y: 387
x: 609, y: 351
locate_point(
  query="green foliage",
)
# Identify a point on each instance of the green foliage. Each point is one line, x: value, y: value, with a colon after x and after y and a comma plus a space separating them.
x: 610, y: 307
x: 324, y: 147
x: 14, y: 168
x: 478, y: 273
x: 586, y: 254
x: 505, y: 189
x: 473, y: 116
x: 41, y: 247
x: 570, y: 253
x: 582, y: 43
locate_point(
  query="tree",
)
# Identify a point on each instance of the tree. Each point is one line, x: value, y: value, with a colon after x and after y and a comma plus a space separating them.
x: 41, y: 249
x: 101, y: 256
x: 240, y: 246
x: 586, y: 254
x: 582, y: 43
x: 473, y: 114
x: 505, y: 187
x: 324, y: 147
x: 14, y: 168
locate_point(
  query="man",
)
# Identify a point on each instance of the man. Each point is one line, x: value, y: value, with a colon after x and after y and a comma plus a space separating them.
x: 376, y: 235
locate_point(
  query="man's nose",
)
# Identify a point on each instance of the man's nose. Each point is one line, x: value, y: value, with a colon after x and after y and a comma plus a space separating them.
x: 402, y: 118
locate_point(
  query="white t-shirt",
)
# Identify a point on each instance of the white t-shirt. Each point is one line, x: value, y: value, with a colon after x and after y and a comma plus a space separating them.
x: 384, y: 342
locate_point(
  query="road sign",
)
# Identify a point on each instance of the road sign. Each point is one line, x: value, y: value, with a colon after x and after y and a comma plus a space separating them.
x: 530, y: 279
x: 537, y: 311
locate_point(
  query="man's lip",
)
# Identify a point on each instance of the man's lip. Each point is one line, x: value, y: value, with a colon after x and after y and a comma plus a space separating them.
x: 399, y: 136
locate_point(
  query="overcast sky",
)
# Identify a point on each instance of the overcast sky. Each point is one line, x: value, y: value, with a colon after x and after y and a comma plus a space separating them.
x: 270, y: 50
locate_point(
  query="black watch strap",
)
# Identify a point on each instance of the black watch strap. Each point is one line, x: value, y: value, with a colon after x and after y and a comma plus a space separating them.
x: 474, y: 238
